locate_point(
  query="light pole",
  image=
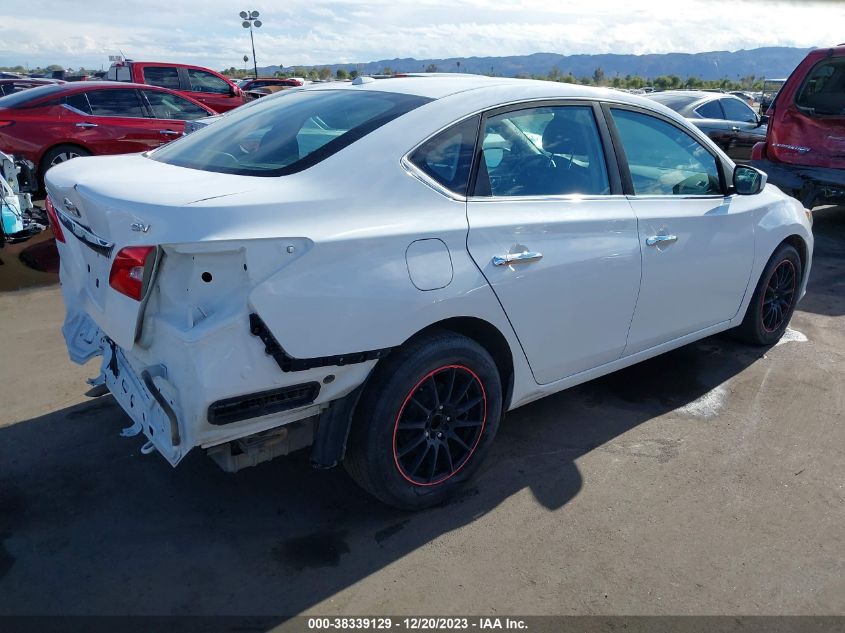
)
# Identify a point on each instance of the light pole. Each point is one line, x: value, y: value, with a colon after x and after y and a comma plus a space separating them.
x: 250, y: 19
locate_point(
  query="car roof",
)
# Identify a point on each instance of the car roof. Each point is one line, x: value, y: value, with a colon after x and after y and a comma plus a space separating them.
x: 440, y: 85
x: 81, y: 86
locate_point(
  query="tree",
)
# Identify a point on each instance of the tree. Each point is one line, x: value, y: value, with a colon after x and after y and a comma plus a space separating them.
x: 387, y: 70
x: 324, y: 73
x: 353, y: 73
x: 598, y: 76
x: 342, y: 74
x: 431, y: 68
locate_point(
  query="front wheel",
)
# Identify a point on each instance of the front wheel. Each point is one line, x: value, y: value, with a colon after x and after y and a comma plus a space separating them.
x: 425, y: 421
x: 774, y: 298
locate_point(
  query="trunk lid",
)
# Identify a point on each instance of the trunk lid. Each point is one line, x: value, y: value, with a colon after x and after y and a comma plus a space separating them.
x: 108, y: 203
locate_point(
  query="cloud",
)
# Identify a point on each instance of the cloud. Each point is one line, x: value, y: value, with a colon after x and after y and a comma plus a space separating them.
x: 208, y: 32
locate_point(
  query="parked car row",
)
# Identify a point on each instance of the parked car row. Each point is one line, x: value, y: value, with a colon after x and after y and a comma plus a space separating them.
x: 54, y: 123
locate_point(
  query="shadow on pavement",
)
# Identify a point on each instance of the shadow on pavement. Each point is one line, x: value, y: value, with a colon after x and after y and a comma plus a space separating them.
x: 89, y: 526
x: 826, y: 290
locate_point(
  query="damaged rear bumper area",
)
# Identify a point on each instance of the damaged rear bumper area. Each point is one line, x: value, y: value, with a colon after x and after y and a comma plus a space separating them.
x: 178, y: 409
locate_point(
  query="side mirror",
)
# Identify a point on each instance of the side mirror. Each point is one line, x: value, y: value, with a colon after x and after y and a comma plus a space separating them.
x: 748, y: 181
x: 763, y: 120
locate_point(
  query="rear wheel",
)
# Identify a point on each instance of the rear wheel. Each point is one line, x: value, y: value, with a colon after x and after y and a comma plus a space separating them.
x: 774, y: 298
x: 426, y: 421
x: 61, y: 154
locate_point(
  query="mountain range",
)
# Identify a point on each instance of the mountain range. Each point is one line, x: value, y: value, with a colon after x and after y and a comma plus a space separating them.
x: 771, y: 62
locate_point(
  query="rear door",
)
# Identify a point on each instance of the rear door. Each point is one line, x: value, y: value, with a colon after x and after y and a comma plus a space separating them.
x: 554, y: 237
x: 745, y: 128
x: 112, y: 121
x: 697, y: 242
x: 714, y: 124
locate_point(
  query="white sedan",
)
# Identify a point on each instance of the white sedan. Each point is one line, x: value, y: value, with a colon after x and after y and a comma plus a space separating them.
x: 381, y: 269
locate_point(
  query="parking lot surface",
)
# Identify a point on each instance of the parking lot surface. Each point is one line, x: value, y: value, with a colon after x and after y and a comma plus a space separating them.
x: 710, y: 480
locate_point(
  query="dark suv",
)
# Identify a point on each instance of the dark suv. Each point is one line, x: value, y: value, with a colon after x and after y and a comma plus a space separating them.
x: 804, y: 150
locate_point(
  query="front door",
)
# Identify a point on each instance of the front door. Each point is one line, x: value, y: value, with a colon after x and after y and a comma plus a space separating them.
x: 697, y: 243
x: 559, y: 249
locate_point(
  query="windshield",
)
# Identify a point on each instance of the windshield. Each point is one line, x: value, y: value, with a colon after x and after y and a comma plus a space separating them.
x: 22, y: 98
x: 288, y: 133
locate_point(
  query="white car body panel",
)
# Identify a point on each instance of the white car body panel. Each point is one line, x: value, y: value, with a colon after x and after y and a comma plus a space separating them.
x: 351, y: 254
x: 571, y: 309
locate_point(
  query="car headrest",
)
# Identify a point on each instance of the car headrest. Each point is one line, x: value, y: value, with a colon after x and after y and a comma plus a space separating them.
x: 564, y: 136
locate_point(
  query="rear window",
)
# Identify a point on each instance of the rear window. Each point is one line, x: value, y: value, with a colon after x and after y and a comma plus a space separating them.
x: 823, y: 91
x: 25, y: 97
x: 710, y: 110
x: 673, y: 101
x: 287, y: 134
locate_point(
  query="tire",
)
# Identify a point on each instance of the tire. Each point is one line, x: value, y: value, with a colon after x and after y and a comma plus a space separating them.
x: 774, y: 298
x: 425, y: 421
x: 60, y: 154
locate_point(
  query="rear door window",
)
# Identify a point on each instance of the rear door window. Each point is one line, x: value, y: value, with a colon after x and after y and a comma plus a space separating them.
x: 164, y: 76
x: 79, y: 102
x: 711, y: 110
x: 169, y: 106
x: 203, y: 81
x: 823, y: 91
x: 119, y: 103
x: 541, y: 152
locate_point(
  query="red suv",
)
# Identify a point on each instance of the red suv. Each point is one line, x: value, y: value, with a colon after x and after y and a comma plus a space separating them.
x: 202, y: 84
x: 51, y: 124
x: 804, y: 150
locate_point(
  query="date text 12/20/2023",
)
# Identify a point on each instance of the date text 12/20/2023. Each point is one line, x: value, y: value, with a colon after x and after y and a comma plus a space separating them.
x: 415, y: 623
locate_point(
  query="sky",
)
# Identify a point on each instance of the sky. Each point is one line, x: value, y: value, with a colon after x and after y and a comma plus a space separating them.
x: 311, y: 32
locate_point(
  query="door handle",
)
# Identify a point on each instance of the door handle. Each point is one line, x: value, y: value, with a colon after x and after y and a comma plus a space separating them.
x: 516, y: 258
x: 735, y: 128
x: 86, y: 124
x: 169, y: 132
x: 654, y: 240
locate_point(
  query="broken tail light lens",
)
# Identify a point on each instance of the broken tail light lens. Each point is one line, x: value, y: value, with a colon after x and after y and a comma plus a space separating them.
x: 58, y: 233
x: 129, y: 270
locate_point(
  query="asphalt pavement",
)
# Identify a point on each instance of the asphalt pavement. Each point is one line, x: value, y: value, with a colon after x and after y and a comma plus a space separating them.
x: 710, y: 480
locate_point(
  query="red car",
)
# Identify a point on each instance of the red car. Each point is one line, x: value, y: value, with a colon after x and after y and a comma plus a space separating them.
x: 10, y: 86
x: 196, y: 82
x: 804, y: 151
x: 51, y: 124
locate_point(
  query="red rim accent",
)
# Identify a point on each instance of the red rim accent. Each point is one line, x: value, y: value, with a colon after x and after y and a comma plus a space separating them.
x: 763, y: 298
x: 402, y: 410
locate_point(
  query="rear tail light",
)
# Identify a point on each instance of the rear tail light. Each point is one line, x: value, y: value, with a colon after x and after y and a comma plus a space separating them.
x: 758, y: 152
x: 54, y: 220
x: 6, y: 123
x: 131, y: 269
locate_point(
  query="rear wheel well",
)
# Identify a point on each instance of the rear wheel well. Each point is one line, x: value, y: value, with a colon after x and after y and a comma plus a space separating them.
x: 42, y: 167
x: 491, y: 339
